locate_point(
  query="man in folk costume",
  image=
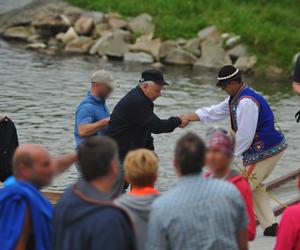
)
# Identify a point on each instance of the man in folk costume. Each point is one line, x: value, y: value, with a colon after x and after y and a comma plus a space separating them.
x: 257, y: 140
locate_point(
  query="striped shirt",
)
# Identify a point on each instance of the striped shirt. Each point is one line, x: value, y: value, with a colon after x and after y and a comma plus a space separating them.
x: 197, y: 213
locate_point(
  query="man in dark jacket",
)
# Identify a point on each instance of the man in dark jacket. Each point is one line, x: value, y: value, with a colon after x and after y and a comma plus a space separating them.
x: 85, y: 218
x: 133, y: 120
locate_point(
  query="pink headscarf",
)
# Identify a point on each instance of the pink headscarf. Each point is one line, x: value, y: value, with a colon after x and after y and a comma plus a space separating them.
x: 222, y: 140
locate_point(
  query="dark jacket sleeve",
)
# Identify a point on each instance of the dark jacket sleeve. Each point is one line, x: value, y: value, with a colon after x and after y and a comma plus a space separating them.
x: 145, y: 117
x: 296, y: 75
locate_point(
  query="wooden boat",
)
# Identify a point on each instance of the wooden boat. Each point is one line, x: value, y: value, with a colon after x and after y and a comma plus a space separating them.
x: 54, y: 196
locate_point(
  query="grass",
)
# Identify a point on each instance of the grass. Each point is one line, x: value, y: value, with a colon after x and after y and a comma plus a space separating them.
x: 270, y: 28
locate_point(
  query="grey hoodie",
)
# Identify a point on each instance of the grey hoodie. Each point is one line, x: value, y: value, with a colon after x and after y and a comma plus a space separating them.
x: 138, y: 209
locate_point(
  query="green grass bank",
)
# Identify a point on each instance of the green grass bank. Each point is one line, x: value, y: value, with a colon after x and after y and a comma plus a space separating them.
x: 270, y: 28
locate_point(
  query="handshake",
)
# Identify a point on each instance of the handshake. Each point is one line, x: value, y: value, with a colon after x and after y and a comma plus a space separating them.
x: 186, y: 119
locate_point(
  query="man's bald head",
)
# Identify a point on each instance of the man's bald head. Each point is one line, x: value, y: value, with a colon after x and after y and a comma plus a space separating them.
x: 32, y: 163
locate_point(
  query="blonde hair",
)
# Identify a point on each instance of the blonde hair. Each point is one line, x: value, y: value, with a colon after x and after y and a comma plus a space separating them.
x: 141, y: 167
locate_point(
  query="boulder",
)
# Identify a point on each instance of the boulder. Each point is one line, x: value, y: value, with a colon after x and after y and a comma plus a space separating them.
x: 231, y: 41
x: 50, y: 24
x: 84, y: 25
x: 180, y: 57
x: 114, y: 44
x: 100, y: 29
x: 117, y: 23
x: 68, y: 36
x: 274, y: 72
x: 72, y: 13
x: 237, y: 51
x: 97, y: 16
x: 18, y: 33
x: 34, y: 46
x: 157, y: 65
x: 166, y: 47
x: 210, y: 33
x: 35, y: 38
x: 193, y: 47
x: 212, y: 55
x: 246, y: 63
x: 81, y: 44
x: 142, y: 24
x: 181, y: 41
x: 144, y: 44
x: 140, y: 57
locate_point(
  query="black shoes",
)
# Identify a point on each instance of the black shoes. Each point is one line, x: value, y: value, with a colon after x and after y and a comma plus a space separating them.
x: 271, y: 230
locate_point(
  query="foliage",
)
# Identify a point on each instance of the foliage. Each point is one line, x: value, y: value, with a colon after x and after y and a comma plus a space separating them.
x: 271, y: 28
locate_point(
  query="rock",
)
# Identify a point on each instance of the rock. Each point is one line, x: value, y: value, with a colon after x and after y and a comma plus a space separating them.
x: 274, y: 72
x: 209, y: 33
x: 35, y: 38
x: 72, y: 13
x: 18, y: 33
x: 82, y: 44
x: 181, y: 41
x: 212, y: 55
x: 112, y: 15
x: 100, y: 29
x: 237, y: 51
x: 157, y: 65
x: 144, y: 44
x: 231, y: 42
x: 84, y: 25
x: 112, y: 44
x: 142, y: 24
x: 180, y: 57
x: 117, y: 23
x: 140, y: 57
x: 166, y: 47
x: 68, y: 36
x: 97, y: 16
x: 49, y: 24
x: 34, y: 46
x: 246, y: 63
x: 193, y: 47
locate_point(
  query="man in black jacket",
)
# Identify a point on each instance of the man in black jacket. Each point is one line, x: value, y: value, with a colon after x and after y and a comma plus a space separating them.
x: 133, y: 120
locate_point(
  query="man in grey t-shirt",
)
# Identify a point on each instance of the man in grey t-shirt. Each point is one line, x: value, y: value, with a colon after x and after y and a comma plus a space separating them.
x: 197, y: 213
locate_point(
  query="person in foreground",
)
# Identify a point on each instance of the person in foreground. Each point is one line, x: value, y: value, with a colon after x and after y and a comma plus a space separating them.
x: 25, y: 213
x: 133, y: 120
x: 258, y: 141
x: 288, y: 236
x: 219, y: 154
x: 198, y: 213
x: 92, y: 114
x: 85, y: 217
x: 141, y: 172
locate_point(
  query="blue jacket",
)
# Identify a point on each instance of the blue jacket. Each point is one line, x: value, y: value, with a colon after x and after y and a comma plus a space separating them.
x: 268, y: 141
x: 85, y: 218
x: 90, y: 110
x: 15, y: 198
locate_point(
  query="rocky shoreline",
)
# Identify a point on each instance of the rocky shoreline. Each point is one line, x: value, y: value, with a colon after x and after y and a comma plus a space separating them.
x: 59, y: 28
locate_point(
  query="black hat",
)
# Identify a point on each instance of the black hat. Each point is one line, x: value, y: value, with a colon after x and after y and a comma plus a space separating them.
x: 227, y: 74
x: 154, y: 76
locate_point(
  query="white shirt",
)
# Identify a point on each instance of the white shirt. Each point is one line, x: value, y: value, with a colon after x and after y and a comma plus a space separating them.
x: 247, y: 117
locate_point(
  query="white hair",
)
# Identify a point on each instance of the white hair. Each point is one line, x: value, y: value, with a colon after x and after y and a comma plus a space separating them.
x: 147, y: 82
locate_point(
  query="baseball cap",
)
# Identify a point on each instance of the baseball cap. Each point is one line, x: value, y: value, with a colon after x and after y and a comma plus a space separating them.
x: 154, y: 76
x: 102, y: 76
x: 227, y: 74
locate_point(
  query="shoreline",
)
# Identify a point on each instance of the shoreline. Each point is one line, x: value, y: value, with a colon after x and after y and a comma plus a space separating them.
x: 57, y: 28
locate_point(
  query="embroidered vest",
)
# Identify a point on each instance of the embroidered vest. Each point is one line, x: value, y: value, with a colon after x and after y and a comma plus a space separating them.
x: 268, y: 141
